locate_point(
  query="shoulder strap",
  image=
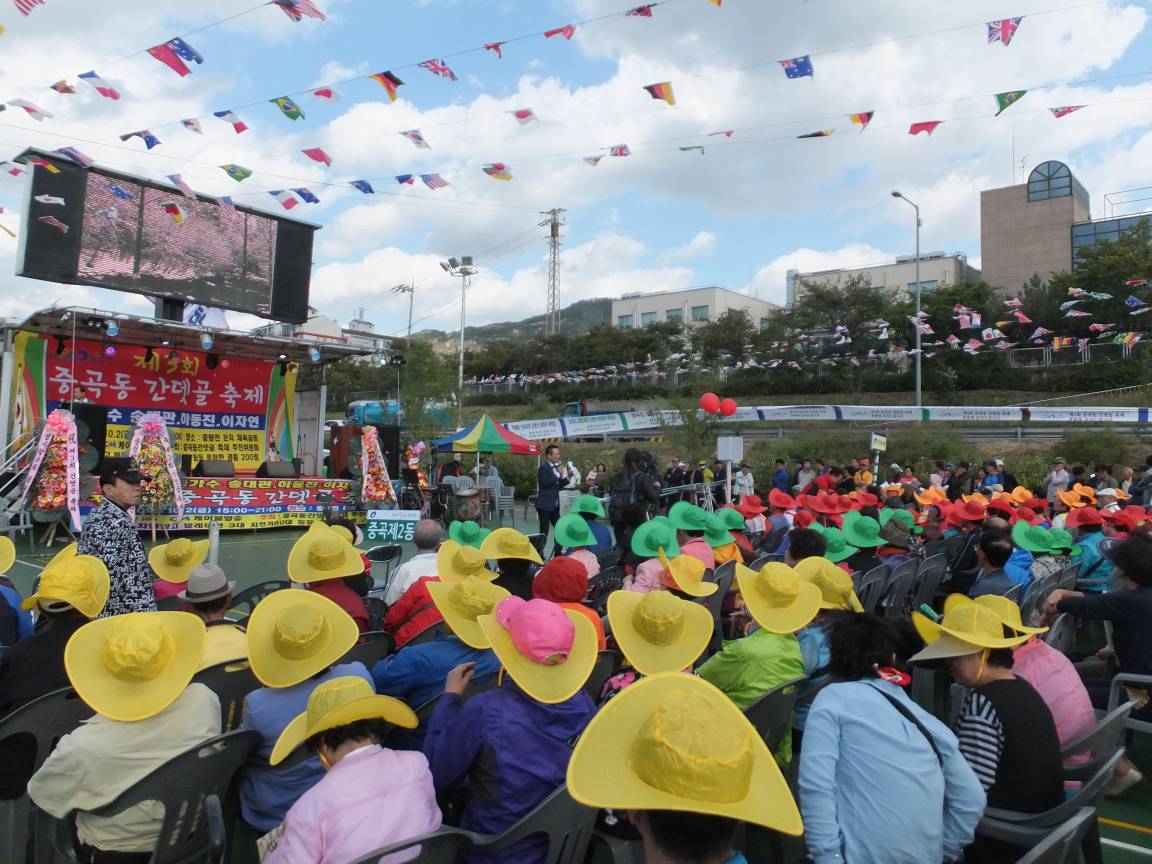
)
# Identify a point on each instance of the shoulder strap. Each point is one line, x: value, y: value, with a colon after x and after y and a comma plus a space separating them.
x: 1095, y: 566
x: 911, y: 718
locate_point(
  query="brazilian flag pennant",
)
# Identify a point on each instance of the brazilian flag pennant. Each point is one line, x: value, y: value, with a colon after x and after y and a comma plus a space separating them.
x: 1007, y: 99
x: 237, y: 172
x: 291, y: 109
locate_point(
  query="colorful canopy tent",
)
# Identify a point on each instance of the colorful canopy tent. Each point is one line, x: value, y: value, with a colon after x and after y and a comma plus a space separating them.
x: 486, y: 436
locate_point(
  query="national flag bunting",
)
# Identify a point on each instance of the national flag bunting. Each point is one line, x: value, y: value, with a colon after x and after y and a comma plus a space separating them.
x: 173, y: 209
x: 593, y: 160
x: 1100, y: 328
x: 798, y: 67
x: 1021, y: 318
x: 1007, y: 99
x: 81, y: 159
x: 619, y: 150
x: 25, y: 7
x: 185, y: 190
x: 567, y: 31
x: 120, y: 192
x: 285, y: 197
x: 237, y: 172
x: 144, y: 135
x: 1135, y: 283
x: 174, y: 53
x: 497, y: 171
x: 524, y: 116
x: 662, y: 90
x: 644, y: 11
x: 693, y: 148
x: 297, y: 9
x: 1003, y: 30
x: 1059, y: 342
x: 1134, y: 302
x: 227, y: 205
x: 363, y: 185
x: 64, y: 87
x: 434, y: 181
x: 1128, y: 339
x: 416, y: 138
x: 288, y: 108
x: 317, y: 154
x: 820, y: 133
x: 36, y: 113
x: 192, y: 125
x: 1064, y: 110
x: 1077, y: 313
x: 228, y: 117
x: 49, y: 199
x: 42, y: 163
x: 727, y: 133
x: 55, y: 223
x: 439, y: 68
x: 327, y: 94
x: 406, y: 179
x: 862, y: 119
x: 102, y: 87
x: 495, y: 47
x: 928, y: 126
x: 389, y: 82
x: 306, y: 195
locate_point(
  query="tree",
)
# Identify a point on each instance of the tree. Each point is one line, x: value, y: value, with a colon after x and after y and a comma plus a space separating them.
x: 425, y: 380
x: 728, y: 336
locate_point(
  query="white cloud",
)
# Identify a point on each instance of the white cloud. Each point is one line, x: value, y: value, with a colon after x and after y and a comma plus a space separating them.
x: 702, y: 245
x: 770, y: 281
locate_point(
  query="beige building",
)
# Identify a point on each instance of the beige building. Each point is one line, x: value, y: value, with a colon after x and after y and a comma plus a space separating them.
x: 321, y: 329
x: 937, y: 269
x: 1027, y: 229
x: 692, y: 306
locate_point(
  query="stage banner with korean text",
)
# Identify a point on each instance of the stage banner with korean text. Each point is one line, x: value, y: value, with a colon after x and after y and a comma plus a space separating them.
x: 216, y: 407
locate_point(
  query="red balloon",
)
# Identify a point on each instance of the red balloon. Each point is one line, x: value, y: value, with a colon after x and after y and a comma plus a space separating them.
x: 728, y: 407
x: 710, y: 402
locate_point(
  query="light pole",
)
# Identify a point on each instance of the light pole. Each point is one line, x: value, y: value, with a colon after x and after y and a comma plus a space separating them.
x: 897, y: 194
x: 410, y: 290
x: 463, y: 268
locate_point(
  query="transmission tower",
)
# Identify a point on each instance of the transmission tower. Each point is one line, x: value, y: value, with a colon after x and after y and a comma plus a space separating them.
x: 554, y: 221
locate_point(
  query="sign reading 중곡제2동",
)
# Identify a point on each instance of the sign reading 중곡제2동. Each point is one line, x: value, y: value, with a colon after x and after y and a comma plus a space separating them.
x: 391, y: 526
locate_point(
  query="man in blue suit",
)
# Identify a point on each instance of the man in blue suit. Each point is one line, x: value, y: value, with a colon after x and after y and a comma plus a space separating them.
x: 551, y: 477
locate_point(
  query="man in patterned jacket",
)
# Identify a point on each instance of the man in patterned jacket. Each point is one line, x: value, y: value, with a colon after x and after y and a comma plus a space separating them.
x: 110, y: 534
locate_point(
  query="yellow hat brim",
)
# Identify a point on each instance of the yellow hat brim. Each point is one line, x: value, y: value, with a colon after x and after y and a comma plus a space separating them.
x: 89, y: 607
x: 648, y: 658
x: 179, y: 575
x: 778, y: 619
x: 7, y: 554
x: 599, y: 773
x: 810, y: 570
x: 386, y: 708
x: 467, y: 629
x: 131, y: 700
x: 931, y: 631
x: 64, y: 554
x: 299, y: 570
x: 490, y: 547
x: 692, y: 587
x: 547, y: 684
x: 448, y: 573
x: 1003, y: 608
x: 275, y: 670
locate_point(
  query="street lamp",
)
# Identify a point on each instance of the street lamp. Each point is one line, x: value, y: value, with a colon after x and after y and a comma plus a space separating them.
x: 410, y: 290
x: 463, y: 268
x: 897, y: 194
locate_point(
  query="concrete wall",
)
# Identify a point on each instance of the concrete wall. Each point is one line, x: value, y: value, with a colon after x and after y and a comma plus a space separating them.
x: 718, y: 301
x: 897, y: 277
x: 1019, y: 237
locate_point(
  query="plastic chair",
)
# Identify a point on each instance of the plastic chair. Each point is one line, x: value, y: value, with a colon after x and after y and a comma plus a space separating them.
x: 901, y: 586
x: 607, y: 664
x: 1062, y: 846
x: 440, y: 847
x: 538, y: 541
x: 870, y: 588
x: 478, y: 685
x: 610, y: 557
x: 1104, y: 739
x: 725, y: 573
x: 566, y: 822
x: 244, y: 602
x: 231, y: 682
x: 190, y: 786
x: 602, y: 585
x: 773, y: 540
x: 1031, y: 604
x: 506, y: 503
x: 377, y: 609
x: 1013, y: 593
x: 771, y: 714
x: 761, y: 561
x: 1060, y: 632
x: 1029, y: 829
x: 388, y: 555
x: 373, y: 647
x: 928, y: 579
x: 1137, y: 682
x: 1069, y: 576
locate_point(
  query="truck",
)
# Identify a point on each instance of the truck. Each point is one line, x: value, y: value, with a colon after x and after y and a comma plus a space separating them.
x: 593, y: 407
x: 388, y: 412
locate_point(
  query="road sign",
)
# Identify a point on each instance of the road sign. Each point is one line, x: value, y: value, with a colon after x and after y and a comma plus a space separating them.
x: 392, y: 526
x: 879, y: 442
x: 730, y: 448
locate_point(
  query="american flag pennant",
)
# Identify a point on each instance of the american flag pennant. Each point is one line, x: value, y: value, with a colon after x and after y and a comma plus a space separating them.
x: 192, y: 125
x: 64, y: 87
x: 179, y: 182
x: 174, y: 53
x: 327, y: 94
x: 593, y: 160
x: 727, y: 133
x: 661, y: 91
x: 144, y: 135
x: 434, y: 181
x: 285, y: 197
x: 438, y: 68
x: 619, y: 150
x: 307, y: 196
x: 25, y: 7
x: 927, y: 126
x: 1007, y: 99
x: 298, y: 9
x: 36, y: 113
x: 175, y: 211
x: 288, y: 108
x: 229, y: 117
x: 524, y: 116
x: 1064, y: 110
x: 55, y: 223
x: 417, y: 138
x: 227, y: 205
x: 389, y: 82
x: 497, y: 171
x: 102, y: 87
x: 644, y: 11
x: 317, y: 154
x: 496, y: 48
x: 798, y: 67
x: 862, y: 119
x: 567, y: 31
x: 1003, y: 30
x: 81, y: 159
x: 363, y: 185
x: 406, y: 179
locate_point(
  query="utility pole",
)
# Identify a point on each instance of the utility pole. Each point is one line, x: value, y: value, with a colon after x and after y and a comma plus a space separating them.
x: 410, y: 290
x: 553, y: 222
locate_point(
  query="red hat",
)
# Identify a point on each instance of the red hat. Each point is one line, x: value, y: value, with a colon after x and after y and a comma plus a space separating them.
x: 803, y: 519
x: 1002, y: 506
x: 782, y: 500
x: 846, y: 504
x: 969, y: 511
x: 1118, y: 517
x: 1037, y: 504
x: 1026, y: 514
x: 751, y: 505
x: 827, y: 503
x: 951, y: 518
x: 561, y: 580
x: 1136, y: 514
x: 1083, y: 516
x: 866, y: 499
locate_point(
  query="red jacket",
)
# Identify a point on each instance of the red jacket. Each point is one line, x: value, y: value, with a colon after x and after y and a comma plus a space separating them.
x: 413, y: 613
x: 344, y: 597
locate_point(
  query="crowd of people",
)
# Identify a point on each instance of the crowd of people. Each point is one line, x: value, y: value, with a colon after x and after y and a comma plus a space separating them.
x: 498, y: 643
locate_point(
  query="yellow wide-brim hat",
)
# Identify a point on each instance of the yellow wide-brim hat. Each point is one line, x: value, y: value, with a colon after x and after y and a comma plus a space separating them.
x: 967, y: 627
x: 1009, y: 613
x: 69, y: 551
x: 549, y: 684
x: 336, y: 703
x: 294, y: 634
x: 323, y: 554
x: 173, y: 561
x: 1071, y: 499
x: 777, y: 598
x: 462, y: 603
x: 687, y: 573
x: 81, y: 581
x: 7, y: 554
x: 508, y: 543
x: 455, y: 561
x: 658, y: 631
x: 133, y: 666
x: 834, y: 585
x: 676, y: 742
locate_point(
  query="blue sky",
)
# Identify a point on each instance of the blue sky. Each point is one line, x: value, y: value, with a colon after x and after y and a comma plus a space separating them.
x: 738, y: 216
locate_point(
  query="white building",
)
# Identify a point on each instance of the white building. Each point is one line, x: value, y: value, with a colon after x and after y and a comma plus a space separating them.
x: 321, y: 329
x: 692, y: 306
x: 937, y: 269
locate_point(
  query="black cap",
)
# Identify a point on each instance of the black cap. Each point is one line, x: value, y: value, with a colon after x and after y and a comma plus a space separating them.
x: 119, y: 468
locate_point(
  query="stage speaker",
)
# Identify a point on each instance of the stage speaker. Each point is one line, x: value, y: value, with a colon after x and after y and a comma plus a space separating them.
x: 95, y: 417
x: 390, y: 446
x: 214, y: 468
x: 279, y: 470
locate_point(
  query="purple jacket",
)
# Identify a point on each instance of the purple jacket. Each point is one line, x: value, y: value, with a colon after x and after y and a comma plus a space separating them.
x: 513, y: 752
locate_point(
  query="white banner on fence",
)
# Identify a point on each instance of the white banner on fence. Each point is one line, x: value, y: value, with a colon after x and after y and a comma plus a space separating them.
x: 596, y: 424
x: 894, y: 413
x: 1088, y: 415
x: 535, y: 430
x: 964, y: 413
x: 797, y: 412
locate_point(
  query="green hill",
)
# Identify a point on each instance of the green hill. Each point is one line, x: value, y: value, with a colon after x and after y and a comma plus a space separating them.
x: 578, y: 318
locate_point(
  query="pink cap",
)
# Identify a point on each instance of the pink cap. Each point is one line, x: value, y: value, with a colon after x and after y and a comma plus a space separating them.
x: 540, y: 629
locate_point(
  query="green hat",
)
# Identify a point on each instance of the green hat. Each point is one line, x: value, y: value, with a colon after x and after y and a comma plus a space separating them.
x: 716, y: 533
x: 732, y: 518
x: 688, y: 517
x: 1034, y: 538
x: 905, y: 516
x: 468, y: 533
x: 651, y: 537
x: 589, y: 504
x: 572, y: 532
x: 838, y: 549
x: 1062, y: 539
x: 863, y: 532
